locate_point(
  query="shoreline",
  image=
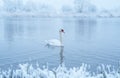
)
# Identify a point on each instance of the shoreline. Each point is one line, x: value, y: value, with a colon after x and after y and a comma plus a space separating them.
x: 81, y: 15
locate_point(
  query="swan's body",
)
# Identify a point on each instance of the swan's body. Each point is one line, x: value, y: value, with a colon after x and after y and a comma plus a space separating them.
x: 56, y: 42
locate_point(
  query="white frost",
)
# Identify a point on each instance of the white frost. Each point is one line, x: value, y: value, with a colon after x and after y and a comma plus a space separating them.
x: 28, y: 71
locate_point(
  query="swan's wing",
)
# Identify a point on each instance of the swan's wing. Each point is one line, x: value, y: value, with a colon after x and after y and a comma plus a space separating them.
x: 54, y: 42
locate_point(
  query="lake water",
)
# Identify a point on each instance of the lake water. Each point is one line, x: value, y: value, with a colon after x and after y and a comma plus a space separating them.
x: 92, y: 41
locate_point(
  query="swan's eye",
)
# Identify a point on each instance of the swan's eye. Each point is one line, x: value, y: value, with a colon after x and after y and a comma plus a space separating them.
x: 62, y: 30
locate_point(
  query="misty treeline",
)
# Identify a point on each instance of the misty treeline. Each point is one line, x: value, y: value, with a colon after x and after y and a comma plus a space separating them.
x: 78, y: 6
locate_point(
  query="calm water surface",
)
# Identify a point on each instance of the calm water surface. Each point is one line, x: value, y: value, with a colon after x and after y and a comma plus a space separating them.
x: 91, y: 41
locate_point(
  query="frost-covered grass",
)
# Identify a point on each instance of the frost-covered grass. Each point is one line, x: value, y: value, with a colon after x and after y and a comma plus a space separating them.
x: 29, y: 71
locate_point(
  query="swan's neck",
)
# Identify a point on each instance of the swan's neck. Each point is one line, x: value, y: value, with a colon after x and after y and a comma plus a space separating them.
x: 60, y: 37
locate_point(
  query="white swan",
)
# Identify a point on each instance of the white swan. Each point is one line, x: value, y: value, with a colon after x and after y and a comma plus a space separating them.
x: 56, y: 42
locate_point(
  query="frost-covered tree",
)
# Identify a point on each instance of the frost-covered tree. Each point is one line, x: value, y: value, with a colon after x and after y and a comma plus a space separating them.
x: 79, y: 5
x: 67, y: 9
x: 83, y: 6
x: 29, y: 6
x: 1, y: 5
x: 92, y: 8
x: 12, y: 5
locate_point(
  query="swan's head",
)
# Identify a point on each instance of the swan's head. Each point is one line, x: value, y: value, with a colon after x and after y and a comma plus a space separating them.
x: 62, y: 30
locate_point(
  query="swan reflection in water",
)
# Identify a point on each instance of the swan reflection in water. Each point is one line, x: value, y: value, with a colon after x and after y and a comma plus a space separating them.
x: 61, y: 53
